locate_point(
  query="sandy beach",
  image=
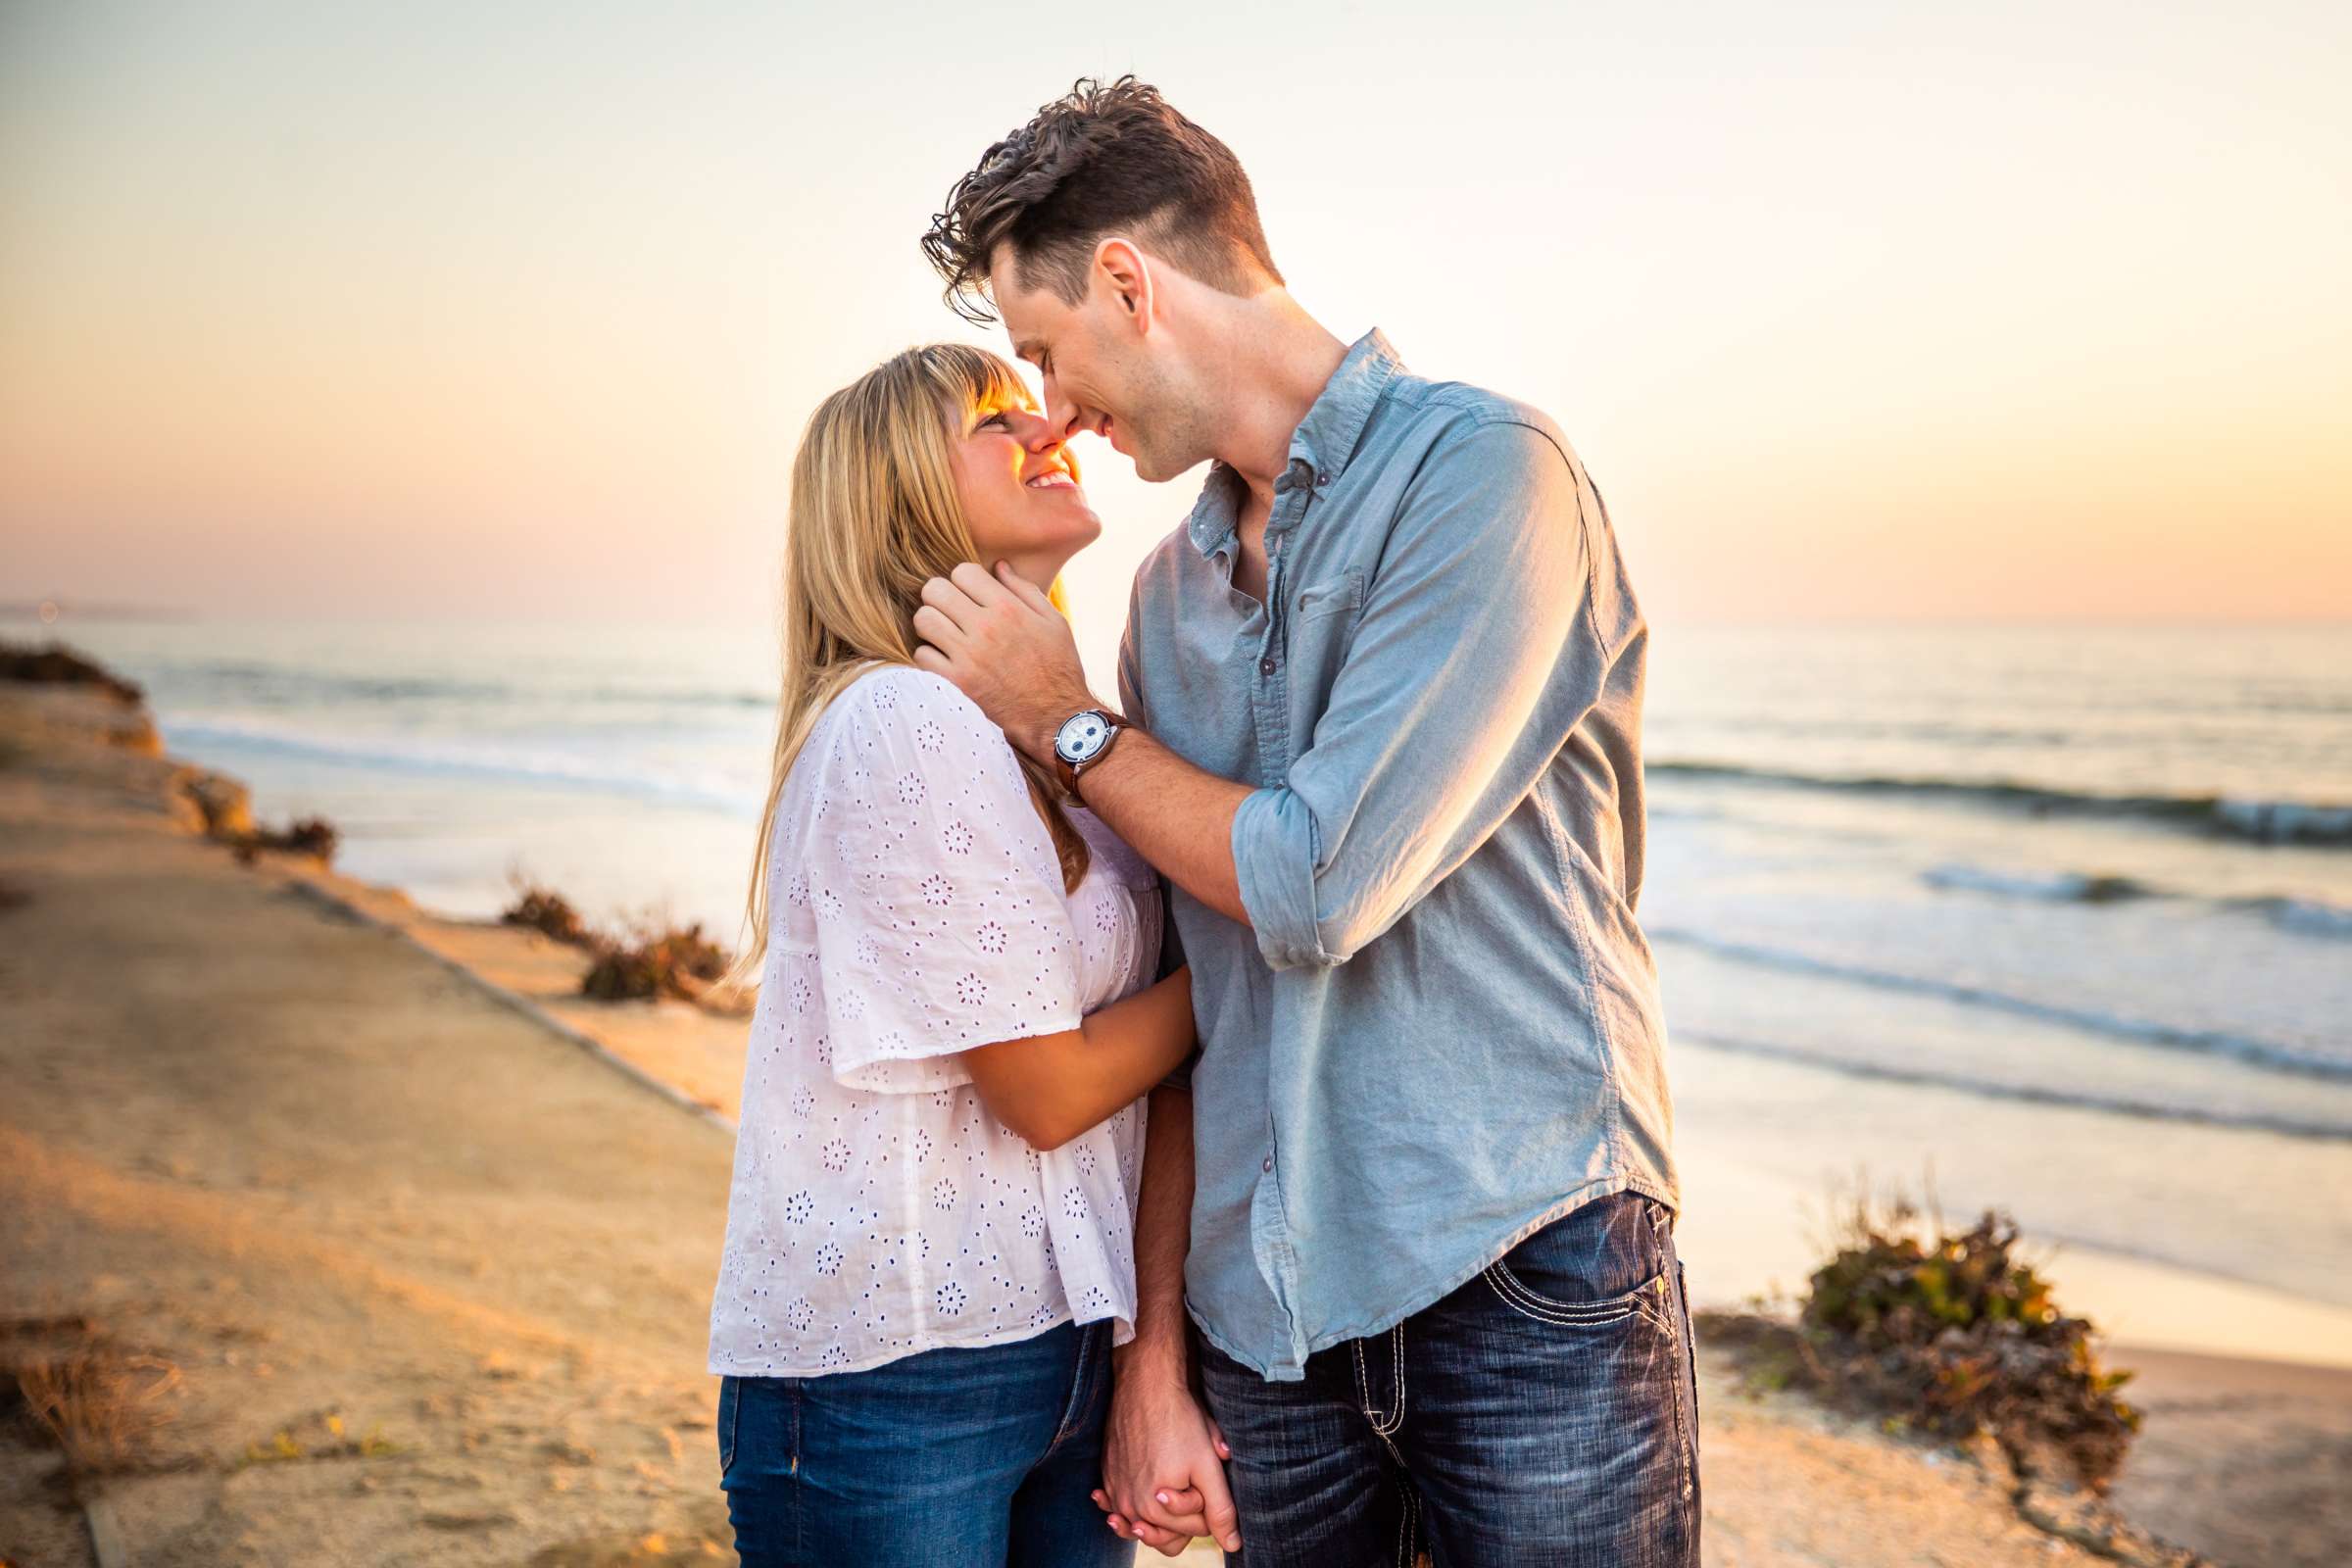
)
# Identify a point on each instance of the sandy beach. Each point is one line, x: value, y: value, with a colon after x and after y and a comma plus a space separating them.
x: 428, y: 1241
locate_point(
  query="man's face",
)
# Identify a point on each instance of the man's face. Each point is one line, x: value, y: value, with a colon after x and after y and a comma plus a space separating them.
x: 1102, y: 372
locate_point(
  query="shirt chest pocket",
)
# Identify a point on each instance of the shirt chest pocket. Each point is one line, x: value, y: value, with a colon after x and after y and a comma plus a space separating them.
x: 1340, y: 595
x: 1322, y: 625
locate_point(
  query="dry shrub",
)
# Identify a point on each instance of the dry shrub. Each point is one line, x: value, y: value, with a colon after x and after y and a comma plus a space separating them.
x: 226, y: 807
x: 313, y: 836
x: 671, y: 961
x: 99, y: 1404
x: 309, y: 835
x: 1951, y: 1332
x: 545, y: 910
x: 54, y: 663
x: 651, y: 958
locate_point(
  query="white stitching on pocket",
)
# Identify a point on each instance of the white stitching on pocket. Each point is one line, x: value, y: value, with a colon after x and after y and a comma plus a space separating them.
x: 1384, y: 1423
x: 1569, y: 1314
x: 1400, y: 1419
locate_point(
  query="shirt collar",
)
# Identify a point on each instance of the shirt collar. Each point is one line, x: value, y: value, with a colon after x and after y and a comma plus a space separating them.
x: 1320, y: 447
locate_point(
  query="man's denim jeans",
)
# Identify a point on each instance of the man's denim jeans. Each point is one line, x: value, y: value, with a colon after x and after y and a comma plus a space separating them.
x: 979, y: 1458
x: 1544, y: 1414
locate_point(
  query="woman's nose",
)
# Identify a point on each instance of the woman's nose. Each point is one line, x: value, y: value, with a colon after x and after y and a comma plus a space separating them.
x: 1039, y: 433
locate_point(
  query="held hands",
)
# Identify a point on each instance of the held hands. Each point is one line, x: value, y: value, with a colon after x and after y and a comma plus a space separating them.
x: 1002, y: 643
x: 1162, y: 1482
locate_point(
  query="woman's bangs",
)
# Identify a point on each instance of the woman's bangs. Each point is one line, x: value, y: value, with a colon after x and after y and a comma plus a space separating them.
x: 989, y: 385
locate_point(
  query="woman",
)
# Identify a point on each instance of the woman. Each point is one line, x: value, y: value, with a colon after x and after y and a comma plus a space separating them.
x: 929, y: 1245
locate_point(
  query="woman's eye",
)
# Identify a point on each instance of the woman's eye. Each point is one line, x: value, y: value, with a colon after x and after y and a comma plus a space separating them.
x: 997, y: 420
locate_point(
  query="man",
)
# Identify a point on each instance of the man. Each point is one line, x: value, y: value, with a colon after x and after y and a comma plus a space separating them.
x: 1379, y: 727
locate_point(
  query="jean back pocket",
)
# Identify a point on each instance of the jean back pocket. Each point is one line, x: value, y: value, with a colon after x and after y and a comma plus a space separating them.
x: 730, y: 1400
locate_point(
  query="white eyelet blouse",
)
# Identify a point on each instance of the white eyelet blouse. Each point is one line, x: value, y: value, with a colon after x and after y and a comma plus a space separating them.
x: 916, y: 910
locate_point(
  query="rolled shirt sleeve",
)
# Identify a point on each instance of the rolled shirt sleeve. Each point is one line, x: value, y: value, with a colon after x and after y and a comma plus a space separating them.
x: 1474, y: 656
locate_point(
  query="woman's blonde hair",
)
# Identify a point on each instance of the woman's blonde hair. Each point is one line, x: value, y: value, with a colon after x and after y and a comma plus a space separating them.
x: 874, y: 513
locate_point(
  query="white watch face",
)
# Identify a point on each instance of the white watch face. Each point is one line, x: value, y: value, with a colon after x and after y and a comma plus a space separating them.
x: 1080, y: 737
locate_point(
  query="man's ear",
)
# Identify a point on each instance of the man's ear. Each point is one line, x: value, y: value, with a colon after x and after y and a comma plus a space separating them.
x: 1125, y: 273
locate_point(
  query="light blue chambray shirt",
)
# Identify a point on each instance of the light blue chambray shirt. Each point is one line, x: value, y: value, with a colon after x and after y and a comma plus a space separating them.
x: 1440, y: 1029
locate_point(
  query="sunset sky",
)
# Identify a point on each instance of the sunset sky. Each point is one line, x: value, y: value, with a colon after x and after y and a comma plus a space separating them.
x: 1852, y: 310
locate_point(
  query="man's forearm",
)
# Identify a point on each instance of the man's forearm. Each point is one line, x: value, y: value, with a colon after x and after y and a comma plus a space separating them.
x: 1164, y: 1228
x: 1173, y: 815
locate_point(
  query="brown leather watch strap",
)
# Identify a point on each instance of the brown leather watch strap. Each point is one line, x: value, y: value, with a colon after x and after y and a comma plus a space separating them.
x: 1069, y: 775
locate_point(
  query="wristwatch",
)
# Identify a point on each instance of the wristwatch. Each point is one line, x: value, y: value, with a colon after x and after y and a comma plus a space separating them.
x: 1082, y: 740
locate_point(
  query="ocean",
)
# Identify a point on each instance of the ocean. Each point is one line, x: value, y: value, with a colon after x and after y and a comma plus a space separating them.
x: 2057, y: 919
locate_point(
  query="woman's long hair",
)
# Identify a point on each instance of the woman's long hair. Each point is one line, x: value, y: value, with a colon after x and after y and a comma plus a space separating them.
x: 875, y: 515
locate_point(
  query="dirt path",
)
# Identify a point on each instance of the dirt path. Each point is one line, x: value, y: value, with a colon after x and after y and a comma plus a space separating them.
x: 337, y: 1186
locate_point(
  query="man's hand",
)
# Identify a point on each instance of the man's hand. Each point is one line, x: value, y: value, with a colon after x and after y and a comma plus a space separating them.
x: 1006, y: 647
x: 1163, y: 1483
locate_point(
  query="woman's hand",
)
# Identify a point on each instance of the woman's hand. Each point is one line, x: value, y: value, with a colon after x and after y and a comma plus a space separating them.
x: 1163, y: 1479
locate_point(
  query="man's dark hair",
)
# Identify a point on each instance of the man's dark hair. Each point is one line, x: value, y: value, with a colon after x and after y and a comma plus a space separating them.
x: 1095, y: 160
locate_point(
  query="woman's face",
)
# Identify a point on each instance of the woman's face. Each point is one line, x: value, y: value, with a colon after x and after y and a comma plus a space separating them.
x: 1020, y: 493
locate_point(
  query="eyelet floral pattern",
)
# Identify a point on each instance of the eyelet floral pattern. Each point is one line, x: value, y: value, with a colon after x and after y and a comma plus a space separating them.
x: 877, y: 1208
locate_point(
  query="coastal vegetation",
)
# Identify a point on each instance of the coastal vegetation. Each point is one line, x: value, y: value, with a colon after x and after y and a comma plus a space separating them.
x: 654, y: 958
x: 551, y: 914
x: 224, y: 809
x: 57, y: 679
x: 658, y: 960
x: 222, y: 806
x: 54, y: 663
x: 99, y: 1403
x: 1948, y: 1332
x: 313, y: 836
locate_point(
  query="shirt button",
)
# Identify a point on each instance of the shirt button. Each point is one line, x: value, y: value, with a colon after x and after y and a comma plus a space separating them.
x: 1265, y: 667
x: 1268, y: 1164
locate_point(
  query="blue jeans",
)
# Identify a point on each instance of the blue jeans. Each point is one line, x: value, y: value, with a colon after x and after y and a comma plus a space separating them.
x: 959, y: 1457
x: 1544, y: 1415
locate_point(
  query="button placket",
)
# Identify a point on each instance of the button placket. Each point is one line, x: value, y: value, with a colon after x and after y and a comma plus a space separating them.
x: 1277, y: 559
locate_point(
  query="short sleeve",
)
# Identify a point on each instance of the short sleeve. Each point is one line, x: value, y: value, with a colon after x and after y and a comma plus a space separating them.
x: 941, y: 923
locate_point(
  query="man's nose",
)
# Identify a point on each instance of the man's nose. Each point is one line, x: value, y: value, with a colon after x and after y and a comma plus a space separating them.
x: 1062, y: 415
